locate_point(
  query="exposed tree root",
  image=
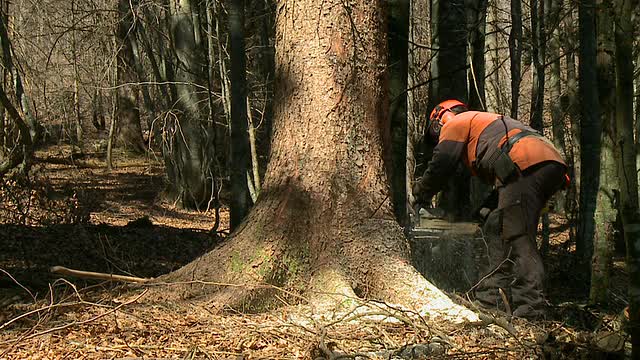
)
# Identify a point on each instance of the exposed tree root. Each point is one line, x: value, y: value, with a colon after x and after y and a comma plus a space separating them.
x: 252, y: 273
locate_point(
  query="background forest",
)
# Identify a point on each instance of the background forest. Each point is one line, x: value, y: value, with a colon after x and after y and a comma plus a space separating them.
x: 137, y: 135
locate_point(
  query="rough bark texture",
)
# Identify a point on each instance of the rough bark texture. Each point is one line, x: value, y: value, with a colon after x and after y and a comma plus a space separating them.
x: 128, y: 126
x: 188, y: 146
x: 627, y: 171
x: 476, y: 24
x: 590, y: 132
x: 323, y: 217
x: 418, y: 94
x: 572, y: 108
x: 24, y: 152
x: 605, y: 210
x: 515, y: 51
x: 398, y: 60
x: 497, y: 96
x: 553, y: 8
x: 17, y: 154
x: 538, y: 59
x: 239, y: 154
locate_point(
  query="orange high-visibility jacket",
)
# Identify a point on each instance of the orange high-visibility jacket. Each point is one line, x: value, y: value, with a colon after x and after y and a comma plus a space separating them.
x: 472, y: 135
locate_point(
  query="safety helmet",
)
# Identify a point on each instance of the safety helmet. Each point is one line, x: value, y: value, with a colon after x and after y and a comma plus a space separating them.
x: 441, y: 114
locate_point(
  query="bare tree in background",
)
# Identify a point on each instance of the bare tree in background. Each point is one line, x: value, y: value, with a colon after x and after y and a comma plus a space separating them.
x: 538, y: 46
x: 398, y: 72
x: 590, y: 133
x: 17, y: 136
x: 449, y: 81
x: 128, y: 108
x: 626, y: 155
x: 188, y: 146
x: 605, y: 212
x: 515, y: 51
x: 239, y: 155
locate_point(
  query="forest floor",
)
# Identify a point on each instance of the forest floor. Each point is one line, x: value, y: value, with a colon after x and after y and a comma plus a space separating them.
x: 76, y: 213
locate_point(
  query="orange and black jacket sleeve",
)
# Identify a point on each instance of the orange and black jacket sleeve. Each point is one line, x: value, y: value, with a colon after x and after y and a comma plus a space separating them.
x: 446, y: 157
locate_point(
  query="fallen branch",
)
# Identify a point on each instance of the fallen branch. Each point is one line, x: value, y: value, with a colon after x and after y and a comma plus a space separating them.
x: 95, y: 275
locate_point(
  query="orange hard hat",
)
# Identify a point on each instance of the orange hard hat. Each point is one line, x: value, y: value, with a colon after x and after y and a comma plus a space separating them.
x: 441, y: 114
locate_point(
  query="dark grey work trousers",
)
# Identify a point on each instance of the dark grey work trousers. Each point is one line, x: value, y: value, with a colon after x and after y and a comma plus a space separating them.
x: 510, y: 231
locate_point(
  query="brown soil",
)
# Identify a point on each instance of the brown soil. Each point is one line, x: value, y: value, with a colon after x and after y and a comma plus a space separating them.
x: 127, y: 229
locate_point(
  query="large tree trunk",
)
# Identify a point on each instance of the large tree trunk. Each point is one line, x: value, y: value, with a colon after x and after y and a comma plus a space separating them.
x: 12, y: 71
x: 538, y: 59
x: 324, y: 215
x: 515, y: 52
x: 627, y: 171
x: 188, y: 147
x: 590, y: 132
x: 239, y: 155
x: 21, y: 156
x: 476, y: 25
x: 497, y: 99
x: 605, y: 210
x: 398, y: 64
x: 450, y: 40
x: 571, y: 105
x: 553, y: 8
x: 16, y: 154
x: 418, y: 93
x: 128, y: 126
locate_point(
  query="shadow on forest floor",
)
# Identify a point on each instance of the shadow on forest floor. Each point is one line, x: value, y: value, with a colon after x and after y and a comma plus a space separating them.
x: 139, y: 249
x: 125, y: 227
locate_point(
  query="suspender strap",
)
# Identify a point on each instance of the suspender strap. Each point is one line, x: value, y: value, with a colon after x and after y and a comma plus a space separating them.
x: 506, y: 147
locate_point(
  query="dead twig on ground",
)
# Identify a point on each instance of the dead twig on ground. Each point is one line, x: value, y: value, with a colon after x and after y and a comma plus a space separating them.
x: 98, y: 276
x: 18, y: 283
x: 75, y: 323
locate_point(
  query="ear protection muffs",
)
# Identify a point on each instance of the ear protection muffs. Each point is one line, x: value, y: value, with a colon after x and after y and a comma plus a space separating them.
x: 441, y: 114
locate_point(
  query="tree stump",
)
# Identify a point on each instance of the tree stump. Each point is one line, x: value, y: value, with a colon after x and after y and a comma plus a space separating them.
x: 452, y: 255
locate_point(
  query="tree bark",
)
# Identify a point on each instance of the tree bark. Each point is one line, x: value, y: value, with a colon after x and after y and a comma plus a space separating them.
x: 398, y: 63
x: 129, y: 130
x: 571, y: 104
x: 451, y: 59
x: 17, y: 154
x: 239, y: 155
x: 476, y: 24
x: 590, y: 132
x: 11, y: 71
x: 538, y: 58
x: 515, y: 52
x: 76, y: 81
x: 627, y: 171
x: 21, y: 156
x: 188, y: 148
x: 497, y: 101
x: 553, y: 8
x: 605, y: 211
x: 323, y: 217
x: 418, y: 93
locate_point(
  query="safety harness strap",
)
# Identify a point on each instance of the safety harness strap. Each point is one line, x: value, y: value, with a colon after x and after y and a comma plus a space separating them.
x: 506, y: 147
